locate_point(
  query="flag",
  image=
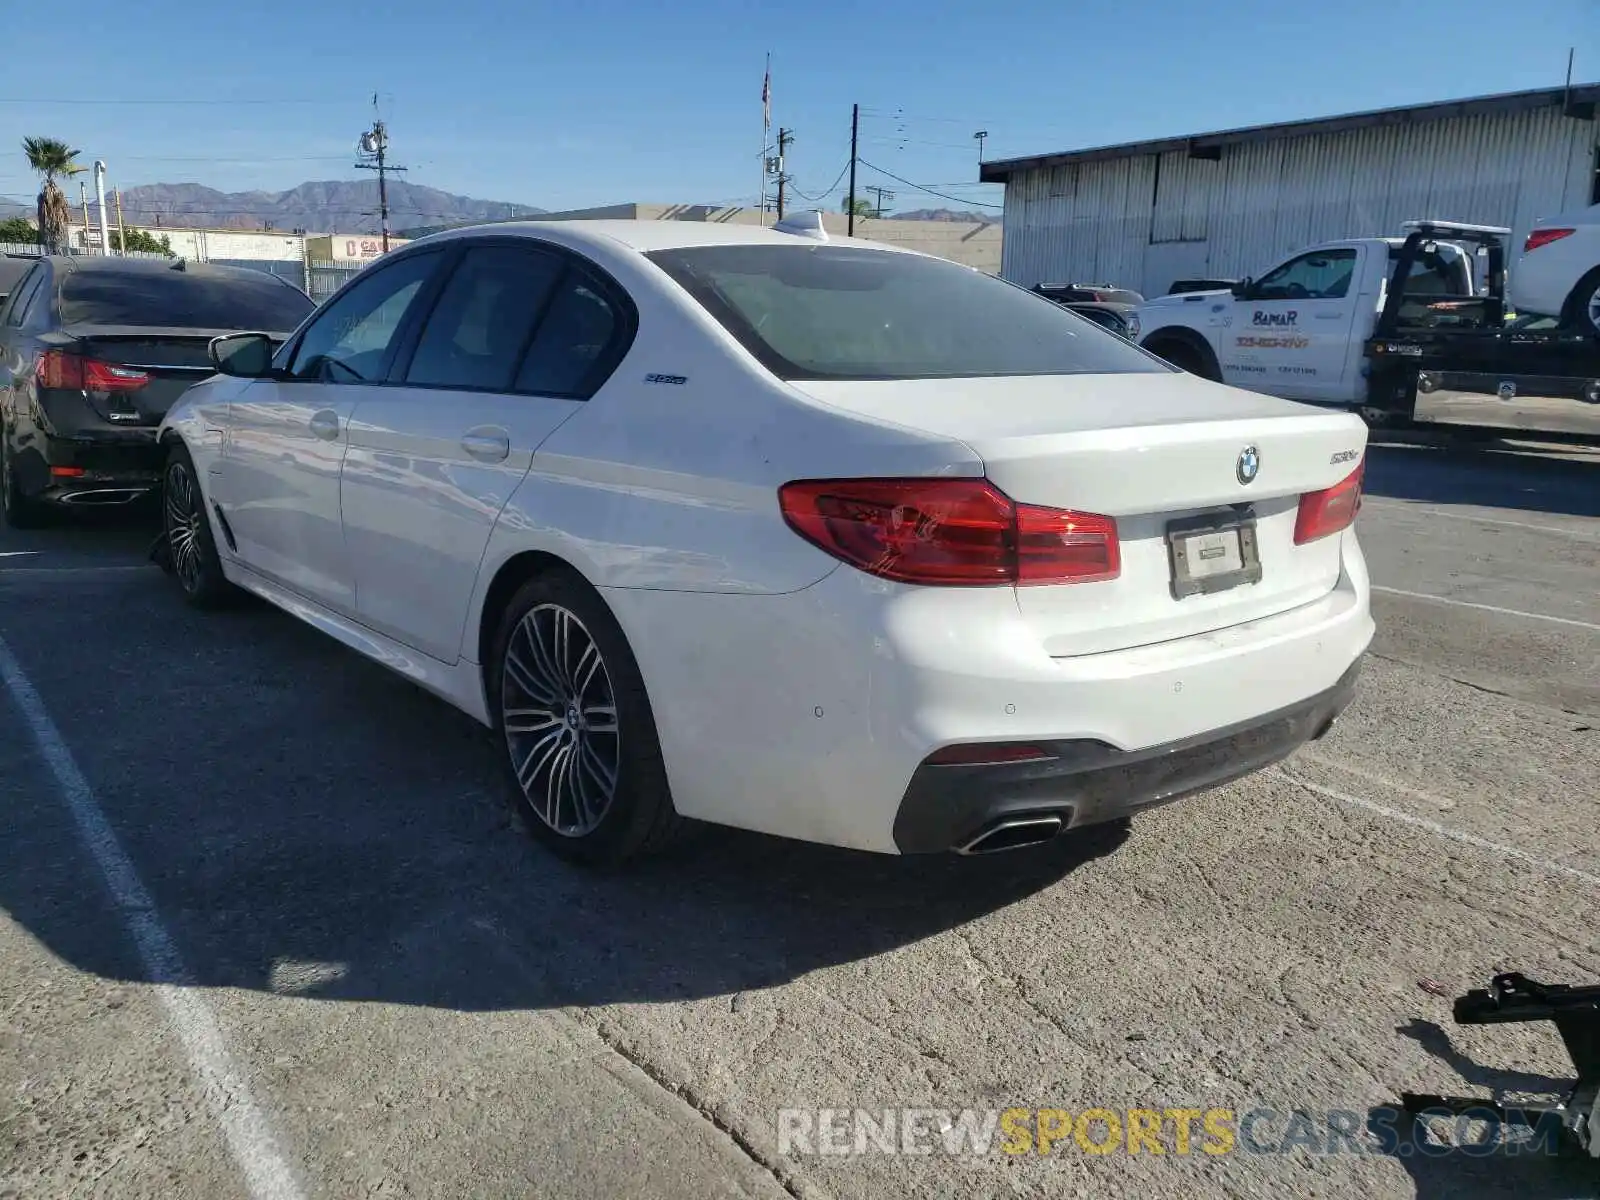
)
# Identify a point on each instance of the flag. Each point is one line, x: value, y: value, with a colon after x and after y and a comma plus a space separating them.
x: 766, y: 96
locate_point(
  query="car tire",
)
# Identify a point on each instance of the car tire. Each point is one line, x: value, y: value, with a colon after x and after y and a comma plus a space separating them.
x: 1582, y: 310
x: 21, y: 511
x: 574, y: 725
x: 190, y: 548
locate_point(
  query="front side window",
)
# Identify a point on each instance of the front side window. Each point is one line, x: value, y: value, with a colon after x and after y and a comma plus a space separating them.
x: 847, y: 312
x: 1320, y: 275
x: 476, y: 333
x: 349, y: 341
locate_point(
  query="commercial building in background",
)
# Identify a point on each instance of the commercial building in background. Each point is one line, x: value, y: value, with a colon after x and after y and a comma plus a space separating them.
x: 280, y: 254
x: 1223, y: 205
x: 348, y: 247
x: 973, y: 243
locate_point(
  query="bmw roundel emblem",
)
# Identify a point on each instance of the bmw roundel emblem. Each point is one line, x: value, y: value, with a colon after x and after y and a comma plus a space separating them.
x: 1249, y: 463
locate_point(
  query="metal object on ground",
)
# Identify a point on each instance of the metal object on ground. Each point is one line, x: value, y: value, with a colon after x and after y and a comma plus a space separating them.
x: 1514, y: 998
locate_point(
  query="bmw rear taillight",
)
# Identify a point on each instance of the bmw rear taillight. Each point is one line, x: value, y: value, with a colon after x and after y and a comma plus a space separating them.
x: 1543, y: 237
x: 1330, y: 510
x: 58, y: 369
x: 952, y: 532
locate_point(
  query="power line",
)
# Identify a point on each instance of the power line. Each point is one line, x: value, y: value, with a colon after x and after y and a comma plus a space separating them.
x: 904, y: 141
x: 930, y: 191
x: 206, y: 103
x: 904, y: 116
x: 829, y: 190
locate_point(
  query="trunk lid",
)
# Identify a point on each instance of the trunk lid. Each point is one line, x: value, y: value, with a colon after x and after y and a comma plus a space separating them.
x: 1148, y: 450
x: 173, y: 360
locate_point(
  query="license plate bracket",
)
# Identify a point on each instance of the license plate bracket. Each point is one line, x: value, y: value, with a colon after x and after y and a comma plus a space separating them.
x: 1213, y: 552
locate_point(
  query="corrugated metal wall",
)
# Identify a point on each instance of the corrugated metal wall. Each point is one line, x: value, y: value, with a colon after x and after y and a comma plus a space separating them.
x: 1138, y: 221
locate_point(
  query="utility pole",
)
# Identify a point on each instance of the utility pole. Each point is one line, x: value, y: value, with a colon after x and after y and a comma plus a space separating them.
x: 83, y: 196
x: 375, y: 144
x: 122, y: 232
x: 100, y: 198
x: 855, y: 130
x: 882, y: 193
x: 785, y: 137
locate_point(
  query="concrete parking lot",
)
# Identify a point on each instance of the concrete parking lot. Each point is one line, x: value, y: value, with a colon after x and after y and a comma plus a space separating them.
x: 266, y: 927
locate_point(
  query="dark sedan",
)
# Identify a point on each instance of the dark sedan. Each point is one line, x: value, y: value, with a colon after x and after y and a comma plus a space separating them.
x: 93, y: 351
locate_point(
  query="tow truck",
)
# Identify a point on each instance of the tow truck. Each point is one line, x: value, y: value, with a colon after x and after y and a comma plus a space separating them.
x: 1493, y: 369
x: 1408, y: 330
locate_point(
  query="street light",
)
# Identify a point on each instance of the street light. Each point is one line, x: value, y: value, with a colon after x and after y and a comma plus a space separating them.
x: 980, y: 135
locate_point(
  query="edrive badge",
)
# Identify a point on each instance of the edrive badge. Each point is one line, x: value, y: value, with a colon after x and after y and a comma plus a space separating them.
x: 1249, y: 463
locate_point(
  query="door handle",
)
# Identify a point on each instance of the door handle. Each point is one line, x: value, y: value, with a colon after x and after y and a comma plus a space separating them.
x: 486, y: 446
x: 325, y: 424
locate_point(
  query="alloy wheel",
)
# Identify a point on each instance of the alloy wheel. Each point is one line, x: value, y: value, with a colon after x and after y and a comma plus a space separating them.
x: 1594, y: 310
x: 183, y: 526
x: 559, y: 713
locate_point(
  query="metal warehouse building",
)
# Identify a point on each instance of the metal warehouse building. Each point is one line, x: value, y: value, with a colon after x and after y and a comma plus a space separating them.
x: 1228, y: 204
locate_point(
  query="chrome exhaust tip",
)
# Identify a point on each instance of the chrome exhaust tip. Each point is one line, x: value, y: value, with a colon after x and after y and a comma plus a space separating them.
x: 1013, y: 833
x: 98, y: 496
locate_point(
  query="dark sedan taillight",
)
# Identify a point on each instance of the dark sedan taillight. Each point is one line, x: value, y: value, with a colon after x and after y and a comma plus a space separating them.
x: 58, y: 369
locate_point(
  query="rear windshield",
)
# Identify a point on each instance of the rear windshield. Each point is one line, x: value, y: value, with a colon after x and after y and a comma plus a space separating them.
x: 848, y: 312
x: 179, y: 299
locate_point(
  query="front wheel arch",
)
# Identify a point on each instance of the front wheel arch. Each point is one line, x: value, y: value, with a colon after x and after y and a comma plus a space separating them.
x: 1185, y: 349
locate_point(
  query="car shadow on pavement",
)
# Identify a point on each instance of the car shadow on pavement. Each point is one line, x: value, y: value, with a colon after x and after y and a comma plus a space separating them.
x: 1450, y: 1157
x: 1490, y: 474
x: 1442, y: 1168
x: 307, y: 823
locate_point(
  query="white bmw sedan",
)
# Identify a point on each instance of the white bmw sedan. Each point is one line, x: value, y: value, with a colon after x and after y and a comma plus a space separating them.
x: 819, y: 538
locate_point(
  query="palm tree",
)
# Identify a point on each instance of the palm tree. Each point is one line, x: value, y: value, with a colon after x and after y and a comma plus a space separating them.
x: 50, y: 158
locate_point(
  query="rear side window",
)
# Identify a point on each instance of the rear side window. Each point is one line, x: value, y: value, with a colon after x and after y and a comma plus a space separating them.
x: 24, y: 297
x: 577, y: 342
x: 478, y: 330
x: 1437, y: 273
x: 181, y: 299
x: 848, y: 312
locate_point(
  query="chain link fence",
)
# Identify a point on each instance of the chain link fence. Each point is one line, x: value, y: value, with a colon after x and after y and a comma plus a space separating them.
x: 323, y: 279
x: 33, y: 250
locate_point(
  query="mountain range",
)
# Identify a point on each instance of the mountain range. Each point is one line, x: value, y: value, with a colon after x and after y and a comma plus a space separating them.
x: 944, y: 214
x: 326, y: 206
x: 338, y: 206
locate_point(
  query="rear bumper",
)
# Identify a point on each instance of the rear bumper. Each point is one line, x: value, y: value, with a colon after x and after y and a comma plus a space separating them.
x: 80, y: 471
x: 811, y: 714
x: 1088, y: 781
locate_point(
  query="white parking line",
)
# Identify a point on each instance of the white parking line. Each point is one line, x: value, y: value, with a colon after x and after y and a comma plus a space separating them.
x: 1507, y: 612
x: 1401, y: 505
x: 1444, y: 831
x: 249, y: 1138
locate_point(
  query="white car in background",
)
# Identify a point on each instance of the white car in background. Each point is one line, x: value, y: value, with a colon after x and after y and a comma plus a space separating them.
x: 1558, y: 274
x: 828, y: 540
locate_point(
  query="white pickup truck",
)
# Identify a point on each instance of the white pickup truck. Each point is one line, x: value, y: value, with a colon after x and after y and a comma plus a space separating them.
x: 1300, y: 330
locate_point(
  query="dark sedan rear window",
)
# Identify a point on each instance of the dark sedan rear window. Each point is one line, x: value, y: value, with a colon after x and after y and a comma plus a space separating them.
x: 180, y: 299
x: 849, y: 312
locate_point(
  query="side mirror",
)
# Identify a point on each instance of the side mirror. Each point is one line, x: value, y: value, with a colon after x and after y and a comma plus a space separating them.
x: 247, y: 355
x: 1241, y: 290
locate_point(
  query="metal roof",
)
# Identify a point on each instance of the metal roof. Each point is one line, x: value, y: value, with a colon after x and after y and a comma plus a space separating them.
x: 1580, y: 101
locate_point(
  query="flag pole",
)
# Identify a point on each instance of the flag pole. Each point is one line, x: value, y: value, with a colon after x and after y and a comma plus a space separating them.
x: 766, y: 128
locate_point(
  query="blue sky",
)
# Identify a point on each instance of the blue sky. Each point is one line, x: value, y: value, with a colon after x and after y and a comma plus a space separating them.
x: 614, y: 101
